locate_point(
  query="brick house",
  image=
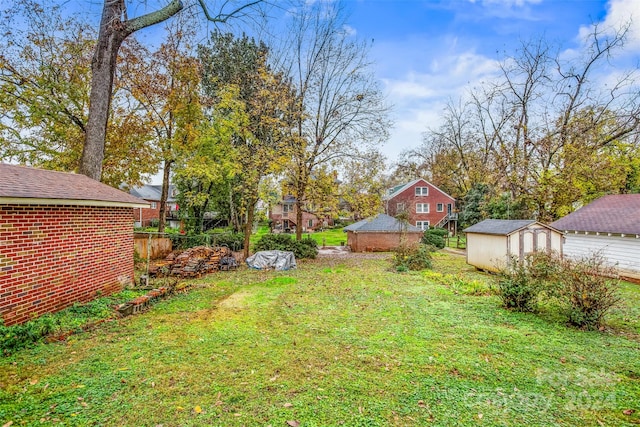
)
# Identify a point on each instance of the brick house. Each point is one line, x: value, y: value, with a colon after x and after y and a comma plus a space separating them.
x: 283, y: 216
x: 64, y: 238
x: 380, y: 233
x: 425, y: 204
x: 152, y: 194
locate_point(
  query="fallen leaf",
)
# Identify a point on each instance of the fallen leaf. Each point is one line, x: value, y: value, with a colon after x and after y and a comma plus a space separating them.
x: 33, y: 382
x: 293, y: 423
x: 563, y: 360
x: 628, y: 411
x: 197, y: 409
x: 288, y: 405
x: 421, y: 404
x: 480, y: 416
x: 9, y: 424
x: 180, y: 408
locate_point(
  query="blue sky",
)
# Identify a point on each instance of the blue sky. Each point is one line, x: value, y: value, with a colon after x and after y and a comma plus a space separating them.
x: 429, y: 51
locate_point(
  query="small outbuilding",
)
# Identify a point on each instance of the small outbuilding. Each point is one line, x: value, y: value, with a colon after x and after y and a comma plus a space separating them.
x: 608, y: 226
x: 64, y: 238
x: 492, y: 242
x: 380, y: 233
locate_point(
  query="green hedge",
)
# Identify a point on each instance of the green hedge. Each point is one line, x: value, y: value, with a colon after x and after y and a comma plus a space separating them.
x: 305, y: 248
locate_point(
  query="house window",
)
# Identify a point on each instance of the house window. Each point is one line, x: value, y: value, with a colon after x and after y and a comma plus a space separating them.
x: 440, y: 207
x: 422, y: 225
x: 287, y: 208
x: 153, y: 205
x: 400, y: 207
x: 310, y: 223
x: 422, y: 191
x: 422, y: 207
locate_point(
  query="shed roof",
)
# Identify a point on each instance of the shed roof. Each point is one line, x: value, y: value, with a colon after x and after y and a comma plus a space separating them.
x: 152, y: 192
x: 25, y: 185
x: 381, y: 223
x: 500, y: 227
x: 618, y: 213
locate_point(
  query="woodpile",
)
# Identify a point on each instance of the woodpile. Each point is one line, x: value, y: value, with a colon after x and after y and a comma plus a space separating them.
x: 193, y: 262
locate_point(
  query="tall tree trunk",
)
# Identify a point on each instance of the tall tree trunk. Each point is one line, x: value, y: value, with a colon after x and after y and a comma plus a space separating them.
x: 165, y: 195
x: 298, y: 219
x: 103, y: 66
x: 114, y: 28
x: 248, y: 227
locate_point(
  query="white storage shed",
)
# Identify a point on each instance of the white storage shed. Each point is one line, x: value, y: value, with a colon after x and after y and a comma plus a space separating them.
x: 492, y: 242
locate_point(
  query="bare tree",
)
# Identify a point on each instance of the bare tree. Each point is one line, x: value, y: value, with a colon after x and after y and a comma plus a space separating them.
x: 341, y: 106
x: 547, y: 131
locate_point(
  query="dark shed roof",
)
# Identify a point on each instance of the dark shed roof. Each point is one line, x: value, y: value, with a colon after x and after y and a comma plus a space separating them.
x: 619, y: 213
x: 381, y: 223
x: 501, y: 227
x: 21, y: 184
x: 152, y: 192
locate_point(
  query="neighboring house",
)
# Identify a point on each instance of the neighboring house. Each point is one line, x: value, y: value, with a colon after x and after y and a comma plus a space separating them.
x: 425, y: 204
x: 64, y: 238
x: 283, y: 216
x: 609, y: 226
x: 152, y: 194
x: 380, y: 233
x: 493, y: 242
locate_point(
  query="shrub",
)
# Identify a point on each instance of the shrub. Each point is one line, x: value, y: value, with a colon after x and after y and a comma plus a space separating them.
x: 412, y: 257
x: 521, y: 282
x: 235, y: 241
x: 435, y: 237
x: 587, y: 291
x: 305, y: 248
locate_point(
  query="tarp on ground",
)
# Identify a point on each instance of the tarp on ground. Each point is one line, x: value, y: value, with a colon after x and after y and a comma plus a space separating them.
x: 277, y: 260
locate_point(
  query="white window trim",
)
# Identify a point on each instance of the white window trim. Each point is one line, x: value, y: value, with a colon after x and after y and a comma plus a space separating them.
x: 422, y: 225
x: 400, y: 207
x: 440, y: 207
x: 422, y: 206
x: 420, y: 193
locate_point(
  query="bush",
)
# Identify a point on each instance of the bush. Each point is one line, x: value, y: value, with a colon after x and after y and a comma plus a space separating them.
x: 305, y: 248
x: 587, y: 291
x: 583, y: 288
x: 412, y: 257
x: 234, y: 241
x: 518, y: 288
x: 435, y: 237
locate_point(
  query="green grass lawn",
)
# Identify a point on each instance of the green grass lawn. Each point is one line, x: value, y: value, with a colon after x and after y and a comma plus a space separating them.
x: 334, y: 342
x: 331, y: 237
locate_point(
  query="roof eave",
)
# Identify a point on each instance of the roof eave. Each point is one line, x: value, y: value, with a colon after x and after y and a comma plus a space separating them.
x: 70, y: 202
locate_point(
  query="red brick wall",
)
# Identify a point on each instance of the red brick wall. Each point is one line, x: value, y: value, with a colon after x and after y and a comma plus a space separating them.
x: 409, y: 198
x: 145, y: 215
x: 53, y: 256
x: 371, y: 242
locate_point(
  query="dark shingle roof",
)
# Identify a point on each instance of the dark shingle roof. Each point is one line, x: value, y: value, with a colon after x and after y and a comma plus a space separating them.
x: 501, y: 227
x: 21, y: 183
x: 152, y: 192
x: 619, y: 213
x: 380, y: 223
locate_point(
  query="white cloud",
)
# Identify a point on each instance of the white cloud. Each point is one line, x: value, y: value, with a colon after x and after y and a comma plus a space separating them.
x: 419, y: 96
x: 619, y: 14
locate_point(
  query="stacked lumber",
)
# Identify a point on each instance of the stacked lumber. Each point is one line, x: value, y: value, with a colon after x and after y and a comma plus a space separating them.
x: 191, y: 263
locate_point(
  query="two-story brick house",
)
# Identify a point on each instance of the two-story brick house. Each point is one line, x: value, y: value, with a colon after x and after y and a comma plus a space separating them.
x: 425, y: 204
x: 283, y: 217
x: 152, y: 194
